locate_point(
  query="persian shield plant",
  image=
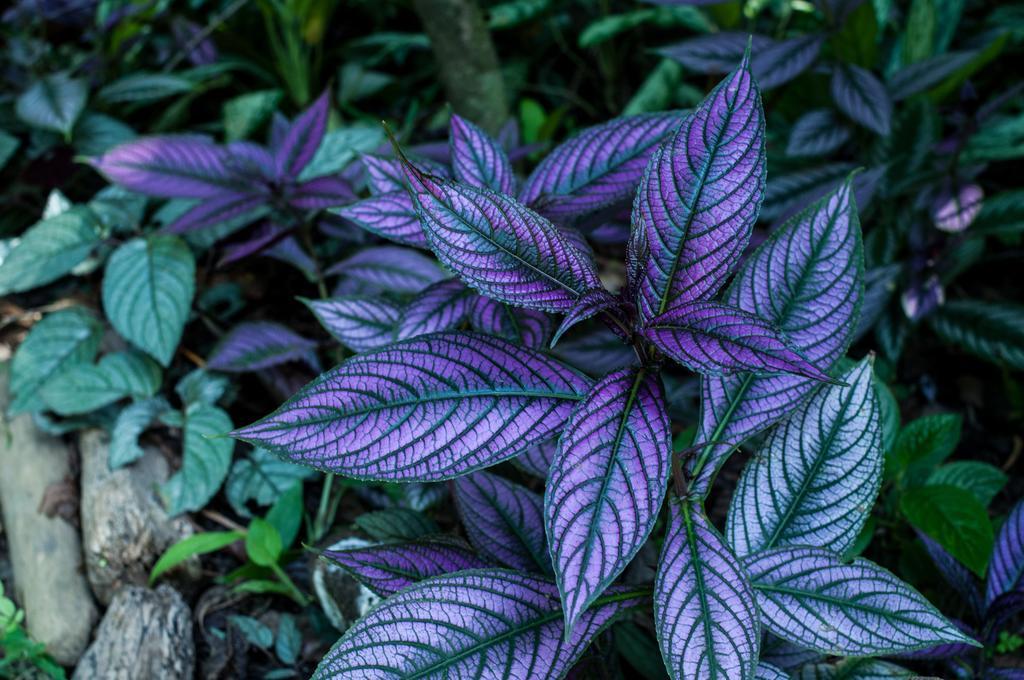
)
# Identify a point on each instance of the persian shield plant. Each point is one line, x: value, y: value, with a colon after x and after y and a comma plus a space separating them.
x: 547, y: 573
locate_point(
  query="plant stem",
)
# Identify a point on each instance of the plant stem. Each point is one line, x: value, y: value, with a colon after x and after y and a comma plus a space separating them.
x: 296, y: 594
x: 320, y: 524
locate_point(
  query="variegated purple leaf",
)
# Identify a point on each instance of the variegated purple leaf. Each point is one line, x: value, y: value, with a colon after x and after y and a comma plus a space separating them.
x: 590, y: 304
x: 251, y: 160
x: 946, y: 650
x: 606, y: 484
x: 953, y: 212
x: 391, y: 216
x: 922, y: 298
x: 786, y: 655
x: 383, y: 175
x: 499, y: 247
x: 801, y: 188
x: 716, y: 339
x: 1002, y: 610
x: 263, y: 237
x: 811, y: 597
x: 598, y: 167
x: 817, y: 133
x: 700, y: 196
x: 219, y: 209
x: 361, y: 323
x: 783, y: 61
x: 300, y: 142
x: 1006, y: 568
x: 717, y: 52
x: 597, y: 352
x: 478, y: 160
x: 489, y: 624
x: 320, y: 193
x: 610, y: 233
x: 815, y: 480
x: 860, y: 95
x: 256, y: 345
x: 927, y: 73
x: 807, y: 280
x: 288, y: 250
x: 704, y: 610
x: 526, y: 326
x: 390, y: 268
x: 504, y: 521
x: 439, y: 307
x: 865, y: 186
x: 537, y: 459
x: 173, y: 166
x: 766, y: 671
x: 386, y: 569
x: 425, y: 409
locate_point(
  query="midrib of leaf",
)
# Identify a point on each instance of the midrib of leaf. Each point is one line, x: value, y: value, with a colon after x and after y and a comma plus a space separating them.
x: 748, y: 380
x: 517, y: 530
x: 608, y: 168
x: 698, y: 565
x: 151, y: 278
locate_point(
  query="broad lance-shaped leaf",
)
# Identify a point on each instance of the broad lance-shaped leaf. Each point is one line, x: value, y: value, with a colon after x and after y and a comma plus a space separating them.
x: 816, y: 477
x: 319, y: 193
x: 256, y: 345
x: 591, y: 303
x: 130, y: 423
x: 87, y: 387
x: 766, y: 671
x: 383, y: 175
x: 439, y: 307
x: 955, y: 574
x: 48, y: 250
x: 147, y: 292
x: 537, y: 460
x: 806, y: 279
x: 715, y: 339
x: 505, y: 521
x: 855, y: 669
x: 386, y: 569
x: 817, y: 133
x: 391, y: 216
x: 425, y: 409
x: 600, y: 166
x: 499, y: 247
x: 299, y: 143
x: 490, y: 624
x: 226, y: 207
x: 704, y: 610
x: 390, y: 268
x: 478, y: 160
x: 700, y: 196
x: 53, y: 103
x: 361, y: 323
x: 205, y: 459
x: 811, y: 597
x: 527, y: 327
x: 717, y: 52
x: 606, y: 484
x: 859, y: 94
x: 784, y: 61
x: 1006, y: 569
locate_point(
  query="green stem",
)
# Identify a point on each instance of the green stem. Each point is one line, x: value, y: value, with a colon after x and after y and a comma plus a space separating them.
x: 294, y: 591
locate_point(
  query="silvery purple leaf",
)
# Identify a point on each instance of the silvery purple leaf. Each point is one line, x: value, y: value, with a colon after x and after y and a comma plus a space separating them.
x: 391, y: 268
x: 700, y: 196
x: 504, y: 521
x: 606, y: 484
x: 383, y: 175
x: 478, y: 160
x: 391, y: 216
x: 590, y: 304
x: 386, y: 569
x: 1006, y: 569
x: 173, y: 166
x: 704, y: 610
x: 256, y: 345
x: 766, y: 671
x: 439, y: 307
x: 815, y: 479
x: 263, y: 237
x: 537, y: 459
x: 500, y: 247
x: 361, y: 323
x: 922, y: 298
x: 219, y: 209
x: 801, y: 187
x: 716, y: 339
x: 946, y: 650
x: 817, y: 133
x: 785, y: 654
x: 489, y: 624
x: 251, y: 160
x: 598, y: 167
x: 288, y: 250
x: 860, y: 95
x: 611, y: 233
x: 954, y: 212
x: 597, y: 353
x: 717, y: 52
x: 1002, y: 610
x: 783, y: 61
x: 807, y: 280
x: 320, y: 193
x: 425, y: 409
x: 522, y: 326
x: 922, y: 75
x: 299, y: 143
x: 865, y: 185
x: 811, y: 597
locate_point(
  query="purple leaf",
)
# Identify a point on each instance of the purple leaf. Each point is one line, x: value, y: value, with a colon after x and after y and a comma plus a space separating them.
x: 300, y: 142
x: 537, y: 460
x: 499, y: 247
x: 391, y: 268
x: 783, y: 61
x: 217, y: 210
x: 597, y: 353
x: 715, y: 339
x: 251, y: 160
x: 383, y: 175
x: 504, y: 521
x: 478, y: 160
x: 927, y: 73
x: 815, y: 480
x: 361, y: 323
x: 817, y: 133
x: 288, y: 250
x: 859, y: 94
x: 256, y: 345
x: 590, y: 304
x: 700, y: 196
x: 704, y: 611
x: 922, y: 298
x: 810, y: 597
x: 946, y: 650
x: 319, y: 193
x: 485, y: 623
x: 1003, y: 609
x: 522, y: 326
x: 386, y: 569
x: 1006, y: 569
x: 606, y: 484
x: 953, y: 213
x: 182, y: 166
x: 715, y: 53
x: 786, y: 655
x: 391, y: 216
x: 807, y: 280
x: 801, y: 187
x: 425, y: 409
x: 439, y: 307
x: 263, y: 237
x: 600, y: 166
x: 766, y: 671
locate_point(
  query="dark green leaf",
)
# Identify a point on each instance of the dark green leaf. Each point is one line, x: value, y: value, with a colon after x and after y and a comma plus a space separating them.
x: 396, y: 524
x: 924, y: 443
x: 955, y: 520
x: 982, y: 480
x: 991, y: 330
x: 87, y: 387
x: 286, y: 514
x: 130, y: 423
x: 53, y: 103
x: 198, y: 544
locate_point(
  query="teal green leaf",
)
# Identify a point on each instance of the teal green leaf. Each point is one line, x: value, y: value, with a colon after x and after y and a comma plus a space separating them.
x: 1002, y: 214
x: 131, y: 422
x: 143, y: 88
x: 8, y: 145
x: 261, y: 478
x: 954, y: 519
x: 61, y: 340
x: 254, y: 631
x: 53, y: 103
x: 993, y: 331
x: 341, y: 147
x: 289, y: 640
x: 87, y: 387
x: 96, y: 133
x: 244, y: 114
x: 263, y: 543
x: 982, y: 480
x: 48, y: 250
x: 206, y: 456
x: 201, y: 387
x: 147, y: 292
